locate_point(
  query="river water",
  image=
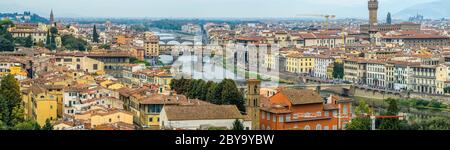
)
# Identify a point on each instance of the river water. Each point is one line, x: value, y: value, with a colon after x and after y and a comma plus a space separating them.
x: 206, y: 69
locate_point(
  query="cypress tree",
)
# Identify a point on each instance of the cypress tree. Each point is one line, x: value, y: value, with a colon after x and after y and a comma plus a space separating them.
x: 95, y: 35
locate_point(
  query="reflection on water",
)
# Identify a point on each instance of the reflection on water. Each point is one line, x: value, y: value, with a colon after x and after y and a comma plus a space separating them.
x: 207, y: 69
x: 166, y: 59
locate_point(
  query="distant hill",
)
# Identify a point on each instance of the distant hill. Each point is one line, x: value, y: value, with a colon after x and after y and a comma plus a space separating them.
x: 435, y: 10
x: 25, y: 17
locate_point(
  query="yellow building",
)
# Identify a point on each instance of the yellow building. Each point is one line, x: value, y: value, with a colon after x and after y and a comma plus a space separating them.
x: 297, y: 63
x: 146, y: 108
x: 151, y: 48
x: 100, y: 117
x: 151, y: 106
x: 17, y: 70
x: 330, y: 70
x: 121, y: 40
x: 86, y: 79
x: 111, y: 85
x: 442, y: 78
x: 37, y: 36
x: 58, y: 92
x: 81, y: 63
x: 9, y: 66
x: 39, y: 104
x: 163, y: 80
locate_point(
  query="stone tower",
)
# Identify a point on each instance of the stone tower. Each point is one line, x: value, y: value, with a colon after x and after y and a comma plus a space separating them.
x: 52, y: 19
x: 253, y: 101
x: 373, y: 12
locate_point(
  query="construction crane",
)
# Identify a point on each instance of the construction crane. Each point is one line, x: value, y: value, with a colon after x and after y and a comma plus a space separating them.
x: 327, y: 18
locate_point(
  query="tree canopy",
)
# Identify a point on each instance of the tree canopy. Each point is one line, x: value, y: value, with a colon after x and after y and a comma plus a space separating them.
x: 338, y: 70
x: 6, y: 39
x: 11, y: 109
x: 363, y: 121
x: 223, y: 93
x: 10, y: 99
x: 70, y: 42
x: 237, y: 125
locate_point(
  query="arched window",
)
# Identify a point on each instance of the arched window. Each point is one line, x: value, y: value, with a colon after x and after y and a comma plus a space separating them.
x: 307, y: 127
x: 318, y: 127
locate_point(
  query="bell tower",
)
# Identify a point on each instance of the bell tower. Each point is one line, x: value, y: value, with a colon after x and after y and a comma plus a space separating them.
x: 253, y: 101
x: 373, y: 12
x: 52, y: 18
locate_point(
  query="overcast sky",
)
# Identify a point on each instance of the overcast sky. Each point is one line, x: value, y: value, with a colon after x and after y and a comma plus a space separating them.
x: 202, y: 8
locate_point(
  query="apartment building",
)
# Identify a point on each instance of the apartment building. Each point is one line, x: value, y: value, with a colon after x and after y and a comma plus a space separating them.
x: 293, y: 109
x: 82, y: 63
x: 298, y: 63
x: 376, y: 74
x: 322, y: 63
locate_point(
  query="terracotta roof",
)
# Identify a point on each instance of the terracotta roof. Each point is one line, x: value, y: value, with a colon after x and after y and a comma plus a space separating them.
x: 161, y: 99
x: 330, y: 107
x: 115, y: 126
x: 202, y: 112
x: 299, y: 97
x: 277, y: 109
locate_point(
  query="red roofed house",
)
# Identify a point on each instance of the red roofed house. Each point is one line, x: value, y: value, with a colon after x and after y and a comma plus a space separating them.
x: 294, y: 109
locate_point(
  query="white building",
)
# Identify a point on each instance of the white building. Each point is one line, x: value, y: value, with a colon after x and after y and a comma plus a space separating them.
x: 376, y: 74
x: 321, y: 65
x: 402, y: 76
x: 77, y: 100
x: 424, y: 79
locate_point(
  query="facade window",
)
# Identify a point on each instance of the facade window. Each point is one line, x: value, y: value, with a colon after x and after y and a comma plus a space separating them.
x: 307, y: 114
x: 110, y: 120
x: 95, y: 66
x: 307, y: 127
x: 263, y: 116
x: 263, y: 127
x: 150, y: 119
x: 319, y: 114
x: 288, y: 117
x: 274, y: 118
x: 345, y: 109
x: 154, y: 108
x: 327, y: 114
x: 268, y: 116
x: 335, y: 113
x: 334, y: 127
x: 296, y: 116
x: 318, y: 127
x: 326, y: 128
x: 281, y: 119
x: 67, y: 59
